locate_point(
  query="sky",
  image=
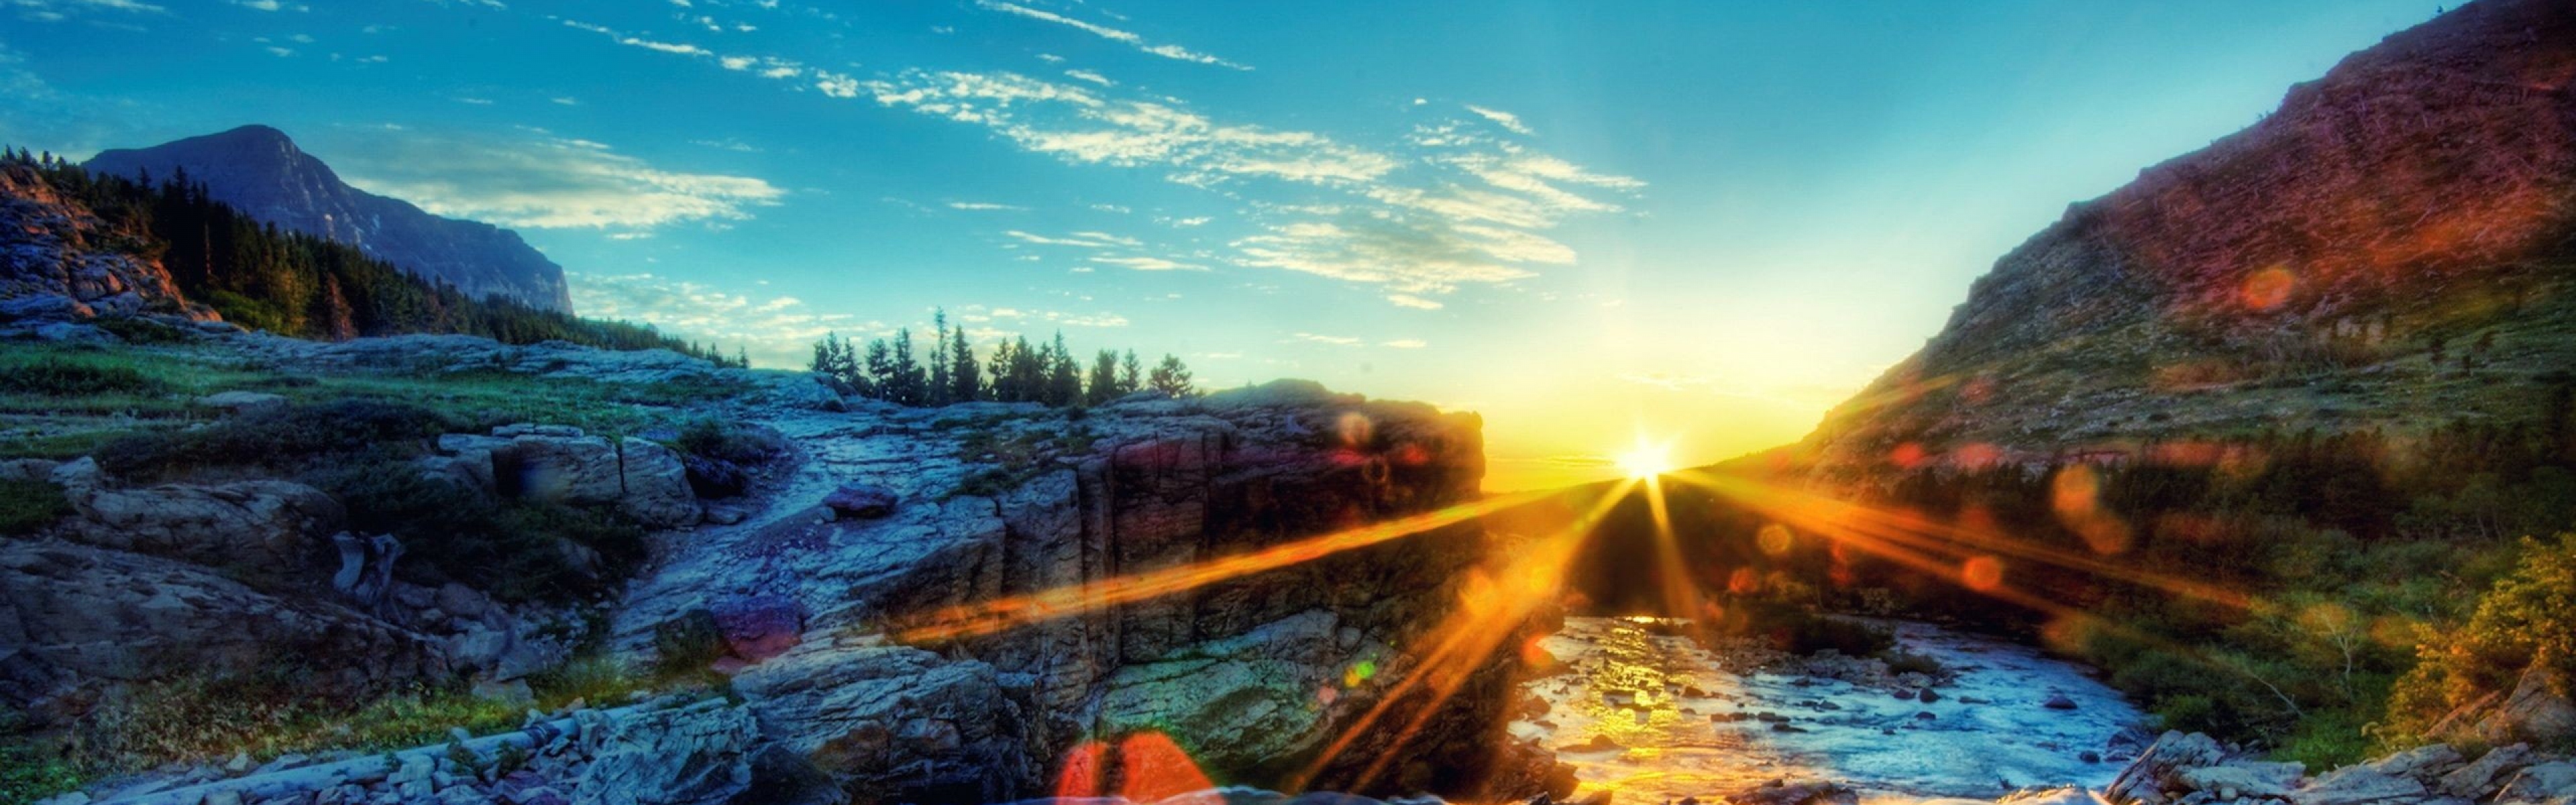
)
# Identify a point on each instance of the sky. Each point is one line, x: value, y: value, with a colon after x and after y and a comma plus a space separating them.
x: 1693, y: 223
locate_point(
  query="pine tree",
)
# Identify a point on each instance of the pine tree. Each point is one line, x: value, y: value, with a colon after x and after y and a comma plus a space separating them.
x: 1171, y: 377
x: 1131, y: 374
x: 967, y: 377
x: 1104, y: 378
x: 939, y: 386
x: 1005, y: 356
x: 910, y: 386
x: 880, y: 368
x: 1064, y: 374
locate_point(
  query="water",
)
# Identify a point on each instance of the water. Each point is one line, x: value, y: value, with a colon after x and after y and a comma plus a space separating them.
x: 1656, y: 717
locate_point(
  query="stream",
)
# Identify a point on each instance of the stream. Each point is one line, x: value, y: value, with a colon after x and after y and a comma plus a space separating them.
x: 1656, y: 717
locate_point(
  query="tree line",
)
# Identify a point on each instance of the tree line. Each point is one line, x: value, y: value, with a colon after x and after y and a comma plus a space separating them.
x: 898, y: 371
x: 260, y: 276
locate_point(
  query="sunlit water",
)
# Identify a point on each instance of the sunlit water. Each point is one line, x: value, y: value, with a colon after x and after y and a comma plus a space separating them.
x: 1656, y: 718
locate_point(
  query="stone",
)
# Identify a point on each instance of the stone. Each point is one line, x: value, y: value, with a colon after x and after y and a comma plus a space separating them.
x: 2421, y: 763
x: 2058, y: 701
x: 2249, y: 780
x: 2483, y: 776
x: 2540, y: 781
x: 559, y: 464
x: 863, y: 501
x: 2359, y: 785
x: 694, y: 755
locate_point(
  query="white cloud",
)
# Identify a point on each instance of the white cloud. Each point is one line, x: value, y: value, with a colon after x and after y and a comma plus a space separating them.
x: 1507, y: 120
x: 1335, y: 340
x: 1094, y: 240
x: 545, y: 182
x: 680, y: 48
x: 1115, y: 35
x: 1406, y: 343
x: 1415, y: 302
x: 1148, y: 264
x: 1087, y: 75
x: 985, y: 206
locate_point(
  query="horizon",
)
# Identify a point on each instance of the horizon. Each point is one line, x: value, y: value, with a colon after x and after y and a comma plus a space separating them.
x: 1668, y: 230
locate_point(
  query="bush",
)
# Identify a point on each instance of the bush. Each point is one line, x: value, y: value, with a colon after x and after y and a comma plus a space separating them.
x: 28, y: 505
x: 2527, y: 620
x: 59, y: 377
x: 515, y: 550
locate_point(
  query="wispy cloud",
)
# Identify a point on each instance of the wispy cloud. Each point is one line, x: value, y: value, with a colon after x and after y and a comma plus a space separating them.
x: 1501, y: 118
x: 1335, y: 340
x: 1406, y: 343
x: 1148, y: 263
x: 775, y: 330
x: 1127, y: 38
x: 545, y: 181
x: 680, y: 48
x: 985, y: 206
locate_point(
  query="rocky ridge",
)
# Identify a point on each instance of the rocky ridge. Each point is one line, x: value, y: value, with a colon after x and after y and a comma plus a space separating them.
x: 260, y: 171
x: 2313, y: 264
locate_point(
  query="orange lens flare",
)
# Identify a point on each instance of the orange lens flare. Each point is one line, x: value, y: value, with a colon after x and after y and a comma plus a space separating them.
x: 975, y: 620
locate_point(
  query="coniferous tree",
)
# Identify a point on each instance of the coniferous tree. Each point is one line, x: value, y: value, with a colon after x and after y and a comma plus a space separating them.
x: 1131, y: 374
x: 1064, y: 374
x: 968, y: 378
x: 1104, y: 378
x: 938, y: 393
x: 910, y: 385
x: 1028, y: 371
x: 1171, y: 377
x: 880, y: 365
x: 1005, y: 356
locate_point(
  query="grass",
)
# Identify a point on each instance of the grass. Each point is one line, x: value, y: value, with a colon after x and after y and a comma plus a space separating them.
x: 197, y: 720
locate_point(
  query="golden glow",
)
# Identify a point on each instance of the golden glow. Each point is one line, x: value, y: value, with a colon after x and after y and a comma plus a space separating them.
x: 1645, y: 460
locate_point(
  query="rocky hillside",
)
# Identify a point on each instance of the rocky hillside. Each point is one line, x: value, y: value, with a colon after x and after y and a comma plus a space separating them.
x: 2390, y: 249
x: 58, y: 261
x: 259, y: 170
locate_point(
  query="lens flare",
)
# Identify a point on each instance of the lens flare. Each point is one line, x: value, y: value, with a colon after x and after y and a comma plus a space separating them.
x: 1645, y: 460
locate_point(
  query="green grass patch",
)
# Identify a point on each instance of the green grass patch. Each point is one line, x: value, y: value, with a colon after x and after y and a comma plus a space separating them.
x: 65, y: 377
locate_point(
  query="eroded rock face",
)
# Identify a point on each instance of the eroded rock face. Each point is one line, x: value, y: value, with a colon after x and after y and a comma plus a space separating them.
x: 563, y: 465
x: 73, y: 617
x: 2193, y: 768
x: 50, y: 272
x: 268, y: 528
x: 1229, y: 671
x: 695, y: 755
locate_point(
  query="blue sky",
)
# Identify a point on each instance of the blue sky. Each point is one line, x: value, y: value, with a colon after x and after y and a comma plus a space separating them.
x: 1700, y: 222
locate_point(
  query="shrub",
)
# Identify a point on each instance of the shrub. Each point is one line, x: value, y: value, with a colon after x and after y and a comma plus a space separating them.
x: 60, y: 377
x: 2526, y: 620
x: 28, y: 505
x: 141, y: 331
x: 515, y: 550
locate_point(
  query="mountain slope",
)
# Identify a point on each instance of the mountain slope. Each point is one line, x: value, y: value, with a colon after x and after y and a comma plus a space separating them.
x: 260, y: 171
x: 2390, y: 249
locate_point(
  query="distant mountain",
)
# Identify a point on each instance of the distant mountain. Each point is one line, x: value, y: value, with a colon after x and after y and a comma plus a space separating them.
x: 2391, y: 250
x: 259, y: 170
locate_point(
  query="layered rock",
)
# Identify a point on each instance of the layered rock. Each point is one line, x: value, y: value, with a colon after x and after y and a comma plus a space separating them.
x: 1233, y: 671
x: 260, y: 171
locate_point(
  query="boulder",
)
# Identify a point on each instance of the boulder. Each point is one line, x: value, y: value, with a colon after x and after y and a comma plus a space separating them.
x: 863, y: 501
x: 694, y: 755
x: 1780, y: 792
x: 2356, y: 785
x: 2533, y: 712
x: 270, y: 527
x: 2540, y: 781
x: 2247, y: 780
x: 897, y: 724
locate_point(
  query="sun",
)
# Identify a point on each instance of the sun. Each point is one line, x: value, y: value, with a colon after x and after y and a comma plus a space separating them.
x: 1645, y: 460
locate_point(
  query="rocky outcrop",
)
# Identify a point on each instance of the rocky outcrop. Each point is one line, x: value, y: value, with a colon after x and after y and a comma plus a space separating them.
x: 2421, y: 187
x: 75, y: 618
x: 2533, y: 711
x: 1228, y: 670
x: 260, y: 171
x: 2194, y: 768
x: 56, y: 266
x: 266, y: 528
x: 560, y: 464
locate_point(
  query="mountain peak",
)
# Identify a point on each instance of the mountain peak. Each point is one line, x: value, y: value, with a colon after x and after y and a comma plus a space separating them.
x: 259, y: 170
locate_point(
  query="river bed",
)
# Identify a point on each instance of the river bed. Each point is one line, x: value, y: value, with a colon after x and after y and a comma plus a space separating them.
x: 1655, y: 717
